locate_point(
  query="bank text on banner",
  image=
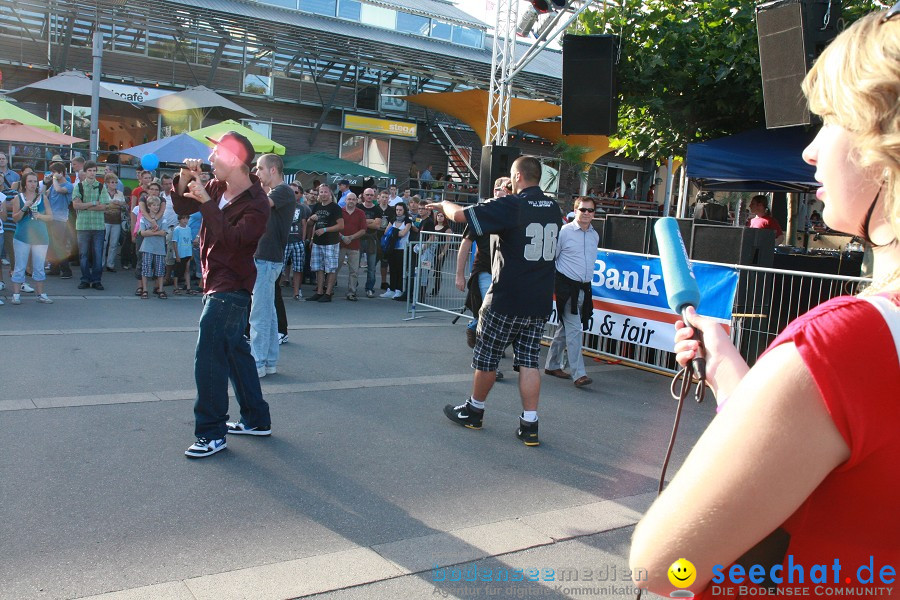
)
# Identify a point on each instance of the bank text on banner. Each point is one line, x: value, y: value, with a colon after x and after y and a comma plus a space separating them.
x: 630, y: 298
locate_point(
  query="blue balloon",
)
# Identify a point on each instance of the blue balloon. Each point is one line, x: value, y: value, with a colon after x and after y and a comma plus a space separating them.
x: 150, y: 162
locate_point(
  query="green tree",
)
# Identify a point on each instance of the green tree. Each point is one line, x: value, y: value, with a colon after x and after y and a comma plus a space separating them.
x: 688, y: 70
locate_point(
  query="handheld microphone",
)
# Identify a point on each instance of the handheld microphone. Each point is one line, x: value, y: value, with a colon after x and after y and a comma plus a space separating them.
x: 681, y: 286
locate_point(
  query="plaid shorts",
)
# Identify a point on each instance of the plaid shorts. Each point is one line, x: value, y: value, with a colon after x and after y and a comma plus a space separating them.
x: 153, y: 265
x: 294, y: 255
x: 324, y: 258
x: 496, y: 331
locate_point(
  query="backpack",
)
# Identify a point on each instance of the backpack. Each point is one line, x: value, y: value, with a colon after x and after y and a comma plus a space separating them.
x: 389, y: 239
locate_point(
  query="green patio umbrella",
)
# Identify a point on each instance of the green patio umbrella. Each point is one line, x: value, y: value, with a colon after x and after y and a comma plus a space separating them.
x: 261, y: 143
x: 325, y: 163
x: 10, y: 111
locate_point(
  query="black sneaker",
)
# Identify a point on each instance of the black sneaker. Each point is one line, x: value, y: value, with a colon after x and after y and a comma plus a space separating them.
x: 465, y: 415
x: 528, y: 432
x: 65, y: 275
x: 324, y: 298
x: 499, y: 376
x: 238, y: 428
x: 97, y: 285
x: 314, y: 298
x: 204, y: 447
x: 83, y: 285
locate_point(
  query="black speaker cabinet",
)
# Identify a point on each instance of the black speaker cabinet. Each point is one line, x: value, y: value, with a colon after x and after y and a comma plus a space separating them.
x: 685, y: 227
x: 626, y: 233
x: 791, y: 35
x: 599, y: 224
x: 495, y: 162
x: 589, y: 96
x: 733, y: 245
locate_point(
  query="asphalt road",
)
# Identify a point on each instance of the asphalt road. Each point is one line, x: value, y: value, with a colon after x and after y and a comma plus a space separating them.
x: 365, y: 489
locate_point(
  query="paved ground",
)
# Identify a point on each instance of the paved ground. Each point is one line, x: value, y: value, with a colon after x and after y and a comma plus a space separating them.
x: 365, y: 490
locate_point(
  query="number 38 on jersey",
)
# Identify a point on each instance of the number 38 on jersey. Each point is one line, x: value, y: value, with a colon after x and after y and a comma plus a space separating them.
x: 542, y: 244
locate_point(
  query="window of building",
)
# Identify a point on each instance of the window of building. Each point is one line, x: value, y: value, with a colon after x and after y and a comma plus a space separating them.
x: 467, y: 36
x: 130, y: 39
x: 368, y: 150
x: 260, y: 127
x: 257, y: 84
x: 408, y: 23
x: 377, y: 16
x: 349, y: 9
x: 284, y: 3
x: 257, y: 70
x: 319, y: 7
x: 441, y: 30
x: 161, y: 44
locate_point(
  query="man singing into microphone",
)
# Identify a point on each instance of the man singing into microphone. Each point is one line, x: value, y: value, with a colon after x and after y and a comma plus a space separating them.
x: 235, y: 211
x: 518, y: 303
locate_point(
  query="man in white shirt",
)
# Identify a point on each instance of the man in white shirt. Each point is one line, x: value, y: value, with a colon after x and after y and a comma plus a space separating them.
x: 576, y: 253
x: 393, y: 198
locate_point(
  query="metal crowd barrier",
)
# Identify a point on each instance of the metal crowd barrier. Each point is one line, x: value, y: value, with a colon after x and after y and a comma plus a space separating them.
x: 765, y: 302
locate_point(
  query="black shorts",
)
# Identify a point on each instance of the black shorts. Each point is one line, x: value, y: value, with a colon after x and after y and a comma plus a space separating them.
x: 496, y: 331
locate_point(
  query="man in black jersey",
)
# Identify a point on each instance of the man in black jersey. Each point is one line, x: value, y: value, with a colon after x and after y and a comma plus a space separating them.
x: 524, y: 229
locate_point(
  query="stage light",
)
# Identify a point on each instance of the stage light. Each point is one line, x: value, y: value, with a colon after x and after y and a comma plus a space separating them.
x: 526, y: 23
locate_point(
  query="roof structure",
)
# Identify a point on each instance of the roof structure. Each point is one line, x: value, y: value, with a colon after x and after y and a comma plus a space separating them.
x: 282, y: 31
x: 432, y: 8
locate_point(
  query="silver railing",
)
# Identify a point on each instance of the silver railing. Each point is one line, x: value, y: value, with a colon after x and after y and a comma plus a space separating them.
x: 765, y: 302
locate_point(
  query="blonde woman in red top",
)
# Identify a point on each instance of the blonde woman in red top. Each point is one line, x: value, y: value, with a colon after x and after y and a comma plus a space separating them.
x: 807, y: 442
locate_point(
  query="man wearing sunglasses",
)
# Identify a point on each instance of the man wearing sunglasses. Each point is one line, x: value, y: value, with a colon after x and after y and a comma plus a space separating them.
x: 576, y: 253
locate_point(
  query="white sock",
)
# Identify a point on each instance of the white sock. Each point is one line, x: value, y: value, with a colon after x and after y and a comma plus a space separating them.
x: 17, y: 297
x: 44, y: 295
x: 476, y: 403
x: 529, y: 416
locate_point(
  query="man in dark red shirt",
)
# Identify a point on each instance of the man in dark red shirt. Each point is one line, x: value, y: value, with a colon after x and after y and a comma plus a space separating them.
x: 354, y: 228
x: 235, y: 212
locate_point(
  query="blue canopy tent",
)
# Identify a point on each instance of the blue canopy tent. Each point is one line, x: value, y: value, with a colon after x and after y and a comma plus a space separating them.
x: 761, y: 160
x: 172, y: 149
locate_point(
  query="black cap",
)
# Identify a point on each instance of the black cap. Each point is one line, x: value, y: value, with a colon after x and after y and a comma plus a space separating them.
x: 238, y: 145
x: 344, y: 182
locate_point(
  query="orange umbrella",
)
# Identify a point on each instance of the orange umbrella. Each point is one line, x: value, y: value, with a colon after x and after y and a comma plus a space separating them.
x: 598, y: 145
x: 14, y: 131
x: 471, y: 108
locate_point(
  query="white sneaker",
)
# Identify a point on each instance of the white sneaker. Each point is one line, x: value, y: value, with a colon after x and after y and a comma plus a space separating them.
x: 44, y: 299
x: 271, y: 370
x: 2, y: 302
x: 389, y: 293
x: 27, y: 288
x: 5, y: 262
x: 17, y: 299
x: 2, y: 286
x: 261, y: 371
x: 398, y: 293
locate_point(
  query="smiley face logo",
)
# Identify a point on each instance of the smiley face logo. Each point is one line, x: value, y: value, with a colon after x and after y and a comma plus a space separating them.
x: 682, y: 573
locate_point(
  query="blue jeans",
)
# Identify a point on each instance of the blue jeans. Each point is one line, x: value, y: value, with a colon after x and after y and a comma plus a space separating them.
x: 222, y: 354
x: 263, y: 320
x: 484, y: 282
x: 90, y: 253
x: 367, y: 247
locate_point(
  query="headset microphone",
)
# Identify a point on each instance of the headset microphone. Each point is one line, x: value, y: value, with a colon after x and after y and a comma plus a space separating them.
x: 681, y: 286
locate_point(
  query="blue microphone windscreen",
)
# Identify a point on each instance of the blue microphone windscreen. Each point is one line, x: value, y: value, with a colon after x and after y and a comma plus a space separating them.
x: 681, y: 286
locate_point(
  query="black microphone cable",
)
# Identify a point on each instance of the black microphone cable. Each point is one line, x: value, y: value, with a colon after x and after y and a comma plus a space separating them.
x: 686, y: 374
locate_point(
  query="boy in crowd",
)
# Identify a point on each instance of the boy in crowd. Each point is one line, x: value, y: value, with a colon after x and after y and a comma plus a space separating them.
x: 182, y: 248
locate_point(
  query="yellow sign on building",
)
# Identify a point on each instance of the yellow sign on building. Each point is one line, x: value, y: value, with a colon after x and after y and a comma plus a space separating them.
x: 385, y: 126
